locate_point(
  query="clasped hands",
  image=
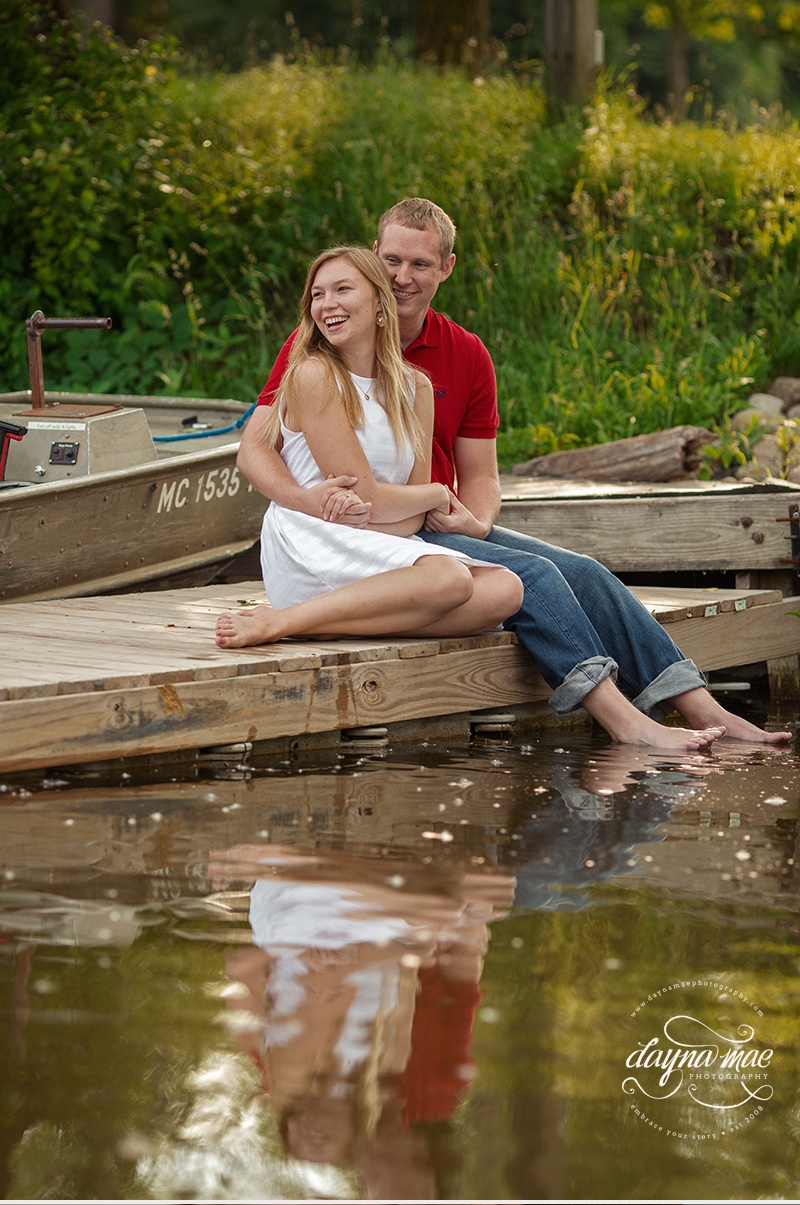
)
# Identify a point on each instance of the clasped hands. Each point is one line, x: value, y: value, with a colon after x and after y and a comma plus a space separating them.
x: 339, y: 503
x: 457, y: 521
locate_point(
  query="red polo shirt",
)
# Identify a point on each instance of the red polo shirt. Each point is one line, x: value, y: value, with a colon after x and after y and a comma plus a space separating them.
x: 464, y: 387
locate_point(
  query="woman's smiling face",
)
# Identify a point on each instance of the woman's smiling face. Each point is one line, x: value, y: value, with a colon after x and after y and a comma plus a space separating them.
x: 344, y: 305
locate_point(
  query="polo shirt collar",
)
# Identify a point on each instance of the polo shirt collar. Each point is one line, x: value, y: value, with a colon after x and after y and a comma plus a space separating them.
x: 429, y: 335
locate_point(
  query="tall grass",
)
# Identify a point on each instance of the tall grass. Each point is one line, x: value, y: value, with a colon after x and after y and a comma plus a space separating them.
x: 626, y: 275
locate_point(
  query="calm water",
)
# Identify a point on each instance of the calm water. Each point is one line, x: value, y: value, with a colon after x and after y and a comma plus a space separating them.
x: 510, y: 971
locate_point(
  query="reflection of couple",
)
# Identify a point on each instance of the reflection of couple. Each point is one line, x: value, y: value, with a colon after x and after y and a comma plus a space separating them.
x: 363, y: 996
x: 355, y: 386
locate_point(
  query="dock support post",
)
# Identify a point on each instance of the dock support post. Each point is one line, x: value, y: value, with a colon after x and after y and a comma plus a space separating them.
x: 784, y: 677
x: 783, y: 672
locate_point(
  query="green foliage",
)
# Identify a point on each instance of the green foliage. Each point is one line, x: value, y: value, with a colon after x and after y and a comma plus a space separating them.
x: 739, y: 54
x: 128, y: 190
x: 730, y: 450
x: 718, y: 19
x: 517, y: 444
x: 715, y: 19
x: 77, y: 110
x: 684, y: 254
x: 249, y: 32
x: 626, y: 275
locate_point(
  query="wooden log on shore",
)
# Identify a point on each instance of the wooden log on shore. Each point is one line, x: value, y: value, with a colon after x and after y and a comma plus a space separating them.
x: 671, y: 455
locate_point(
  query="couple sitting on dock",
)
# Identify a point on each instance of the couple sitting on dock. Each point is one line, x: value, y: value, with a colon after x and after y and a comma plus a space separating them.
x: 377, y: 383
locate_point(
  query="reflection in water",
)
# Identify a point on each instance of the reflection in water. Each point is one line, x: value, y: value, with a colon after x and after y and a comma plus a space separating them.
x: 364, y: 992
x: 410, y: 977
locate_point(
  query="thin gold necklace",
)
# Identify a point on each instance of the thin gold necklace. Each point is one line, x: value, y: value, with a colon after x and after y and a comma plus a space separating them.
x: 364, y: 393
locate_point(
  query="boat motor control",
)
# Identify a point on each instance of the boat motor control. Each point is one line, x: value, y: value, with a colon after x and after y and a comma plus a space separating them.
x: 69, y: 441
x: 64, y: 439
x: 8, y: 431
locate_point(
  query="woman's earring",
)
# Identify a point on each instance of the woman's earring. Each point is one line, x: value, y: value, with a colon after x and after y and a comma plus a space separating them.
x: 380, y: 318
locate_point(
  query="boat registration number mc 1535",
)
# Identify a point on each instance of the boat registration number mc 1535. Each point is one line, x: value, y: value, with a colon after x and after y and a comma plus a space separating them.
x: 216, y: 483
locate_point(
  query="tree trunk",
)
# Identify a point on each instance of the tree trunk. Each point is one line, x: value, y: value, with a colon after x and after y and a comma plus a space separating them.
x: 453, y: 33
x: 678, y: 68
x: 104, y: 11
x: 570, y: 47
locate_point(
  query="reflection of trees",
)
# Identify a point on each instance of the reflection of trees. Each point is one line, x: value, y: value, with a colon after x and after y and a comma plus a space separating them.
x: 547, y: 1101
x: 14, y: 1116
x: 625, y: 894
x: 71, y: 1096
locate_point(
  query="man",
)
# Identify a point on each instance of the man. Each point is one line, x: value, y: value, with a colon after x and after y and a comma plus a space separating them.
x: 418, y: 258
x: 581, y: 658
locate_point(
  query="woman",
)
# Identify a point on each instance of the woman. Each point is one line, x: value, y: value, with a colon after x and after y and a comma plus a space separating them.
x: 348, y: 399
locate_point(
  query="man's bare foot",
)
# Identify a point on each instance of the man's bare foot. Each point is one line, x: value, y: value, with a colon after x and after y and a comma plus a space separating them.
x: 661, y: 736
x: 626, y: 724
x: 700, y: 708
x: 742, y: 730
x: 240, y: 629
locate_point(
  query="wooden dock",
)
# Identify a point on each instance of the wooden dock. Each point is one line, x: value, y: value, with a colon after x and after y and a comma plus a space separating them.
x: 139, y: 674
x: 667, y: 527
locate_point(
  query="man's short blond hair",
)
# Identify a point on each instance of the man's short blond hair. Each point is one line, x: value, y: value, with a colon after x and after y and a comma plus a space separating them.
x: 420, y: 214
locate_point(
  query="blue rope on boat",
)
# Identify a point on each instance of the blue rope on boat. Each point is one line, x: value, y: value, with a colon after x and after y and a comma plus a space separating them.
x: 162, y: 439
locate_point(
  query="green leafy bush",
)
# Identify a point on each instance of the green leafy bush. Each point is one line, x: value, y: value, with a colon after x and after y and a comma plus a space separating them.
x: 77, y: 108
x: 129, y: 190
x: 626, y: 275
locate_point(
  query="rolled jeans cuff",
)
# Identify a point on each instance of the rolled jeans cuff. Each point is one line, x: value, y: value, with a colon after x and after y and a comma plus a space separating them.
x: 674, y: 680
x: 579, y: 681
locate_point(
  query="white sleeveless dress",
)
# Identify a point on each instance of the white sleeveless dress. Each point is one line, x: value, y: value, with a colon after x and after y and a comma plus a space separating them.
x: 302, y: 556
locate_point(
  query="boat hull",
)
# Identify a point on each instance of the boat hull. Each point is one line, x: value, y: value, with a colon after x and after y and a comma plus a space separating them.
x: 126, y: 527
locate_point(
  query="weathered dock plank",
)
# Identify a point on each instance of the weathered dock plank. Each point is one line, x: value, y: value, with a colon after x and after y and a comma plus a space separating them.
x: 673, y: 602
x: 731, y: 638
x: 145, y: 720
x: 98, y: 678
x: 664, y: 528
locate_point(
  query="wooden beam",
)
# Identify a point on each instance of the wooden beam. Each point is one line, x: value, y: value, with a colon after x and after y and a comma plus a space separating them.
x: 663, y: 533
x: 733, y: 638
x: 784, y: 677
x: 128, y: 722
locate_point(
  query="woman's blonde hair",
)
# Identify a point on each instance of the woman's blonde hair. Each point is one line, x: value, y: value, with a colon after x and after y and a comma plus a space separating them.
x: 394, y: 378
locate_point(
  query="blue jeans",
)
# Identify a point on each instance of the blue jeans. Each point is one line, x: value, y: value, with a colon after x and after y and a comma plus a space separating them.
x: 581, y: 624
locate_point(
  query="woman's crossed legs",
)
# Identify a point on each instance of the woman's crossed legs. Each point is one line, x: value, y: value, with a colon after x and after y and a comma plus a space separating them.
x: 436, y: 596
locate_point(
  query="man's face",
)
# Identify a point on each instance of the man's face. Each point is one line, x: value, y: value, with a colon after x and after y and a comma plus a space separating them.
x: 413, y: 260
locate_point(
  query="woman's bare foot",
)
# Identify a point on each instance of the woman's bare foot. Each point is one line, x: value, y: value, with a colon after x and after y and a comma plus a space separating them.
x: 699, y: 707
x: 244, y: 628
